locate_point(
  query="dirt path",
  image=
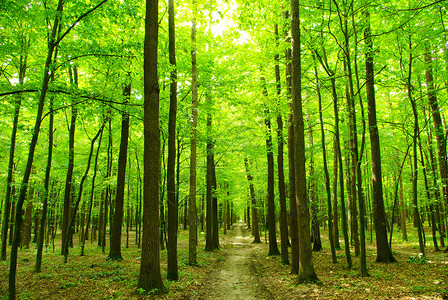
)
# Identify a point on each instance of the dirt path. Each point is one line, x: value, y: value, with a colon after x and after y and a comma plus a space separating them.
x: 235, y: 277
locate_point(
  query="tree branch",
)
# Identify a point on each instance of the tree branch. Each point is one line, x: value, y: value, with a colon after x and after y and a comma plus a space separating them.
x: 77, y: 21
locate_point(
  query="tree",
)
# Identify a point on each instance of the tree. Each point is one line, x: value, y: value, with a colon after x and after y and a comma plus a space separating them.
x: 255, y: 229
x: 193, y: 234
x: 9, y: 180
x: 273, y: 248
x: 384, y: 253
x: 115, y: 233
x: 438, y: 127
x: 291, y: 158
x: 150, y: 278
x: 306, y: 267
x: 172, y: 272
x: 280, y: 170
x: 69, y: 189
x: 26, y: 176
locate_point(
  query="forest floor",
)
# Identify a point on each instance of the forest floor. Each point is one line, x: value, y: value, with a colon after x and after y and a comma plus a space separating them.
x: 238, y: 270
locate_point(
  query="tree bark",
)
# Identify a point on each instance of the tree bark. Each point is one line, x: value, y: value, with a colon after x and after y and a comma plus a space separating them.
x: 78, y: 200
x: 280, y: 169
x: 384, y: 253
x: 115, y: 237
x: 150, y: 278
x: 255, y: 229
x: 12, y: 147
x: 68, y: 193
x: 335, y: 197
x: 92, y: 191
x: 273, y: 248
x: 315, y: 230
x: 327, y: 175
x: 172, y: 267
x: 306, y: 267
x: 193, y: 233
x: 293, y: 222
x: 29, y: 164
x: 439, y: 131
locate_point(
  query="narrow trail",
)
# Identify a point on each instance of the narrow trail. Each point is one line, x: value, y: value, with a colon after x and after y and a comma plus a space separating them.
x: 236, y: 276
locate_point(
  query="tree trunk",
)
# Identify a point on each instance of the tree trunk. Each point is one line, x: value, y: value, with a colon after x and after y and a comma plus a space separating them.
x: 69, y: 189
x: 209, y: 220
x: 92, y: 191
x: 384, y: 253
x: 306, y: 267
x: 215, y: 229
x: 293, y: 222
x: 334, y: 195
x: 280, y: 170
x: 78, y: 200
x: 327, y: 175
x: 273, y: 248
x: 40, y: 239
x: 255, y: 229
x: 437, y: 120
x: 32, y: 147
x: 150, y: 278
x: 315, y: 230
x: 12, y: 147
x: 162, y: 181
x: 193, y: 233
x: 172, y: 268
x: 115, y: 231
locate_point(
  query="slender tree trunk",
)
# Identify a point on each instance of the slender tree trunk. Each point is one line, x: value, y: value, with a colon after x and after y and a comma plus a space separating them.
x: 138, y: 218
x: 402, y: 212
x: 69, y: 189
x: 273, y: 248
x: 115, y: 237
x: 178, y: 155
x: 229, y: 215
x: 306, y: 266
x: 280, y: 170
x: 193, y: 234
x: 341, y: 176
x: 415, y: 155
x: 209, y: 194
x: 439, y: 131
x: 32, y: 147
x: 27, y: 223
x: 162, y: 180
x: 361, y: 200
x: 78, y: 200
x: 327, y: 175
x: 338, y: 158
x: 40, y: 239
x: 315, y: 230
x: 12, y: 147
x: 255, y: 229
x: 293, y: 223
x: 224, y: 217
x: 150, y: 278
x: 215, y: 228
x: 334, y: 195
x: 92, y: 191
x: 384, y: 253
x: 172, y: 268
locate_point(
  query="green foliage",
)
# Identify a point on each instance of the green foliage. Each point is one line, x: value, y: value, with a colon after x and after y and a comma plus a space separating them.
x: 418, y: 259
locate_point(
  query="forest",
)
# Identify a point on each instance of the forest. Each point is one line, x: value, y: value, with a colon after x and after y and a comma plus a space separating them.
x: 223, y: 149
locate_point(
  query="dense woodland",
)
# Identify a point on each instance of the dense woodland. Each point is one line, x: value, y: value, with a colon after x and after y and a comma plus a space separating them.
x: 314, y: 122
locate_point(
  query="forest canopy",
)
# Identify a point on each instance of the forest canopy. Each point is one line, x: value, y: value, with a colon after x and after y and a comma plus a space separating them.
x: 301, y: 118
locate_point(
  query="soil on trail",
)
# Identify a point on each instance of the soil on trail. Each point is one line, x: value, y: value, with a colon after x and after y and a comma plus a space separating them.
x: 236, y: 277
